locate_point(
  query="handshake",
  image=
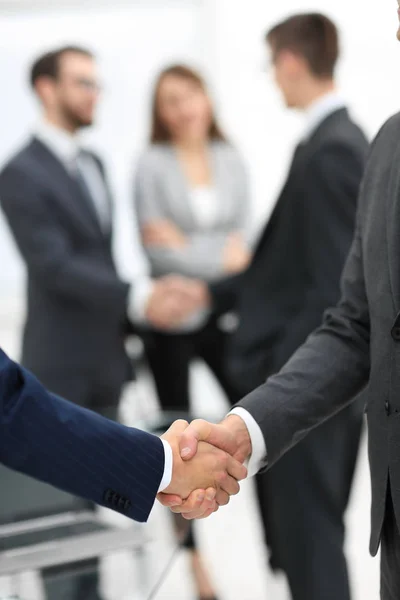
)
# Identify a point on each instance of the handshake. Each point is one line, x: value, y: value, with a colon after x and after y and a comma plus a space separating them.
x: 174, y: 299
x: 207, y: 465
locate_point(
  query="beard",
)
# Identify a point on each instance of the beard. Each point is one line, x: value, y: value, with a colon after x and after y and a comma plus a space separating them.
x: 73, y: 119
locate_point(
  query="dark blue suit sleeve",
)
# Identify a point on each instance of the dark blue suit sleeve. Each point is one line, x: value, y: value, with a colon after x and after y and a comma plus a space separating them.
x: 74, y: 449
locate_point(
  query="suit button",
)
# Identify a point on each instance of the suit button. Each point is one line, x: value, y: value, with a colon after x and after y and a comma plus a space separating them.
x: 387, y: 408
x: 396, y: 333
x: 108, y: 496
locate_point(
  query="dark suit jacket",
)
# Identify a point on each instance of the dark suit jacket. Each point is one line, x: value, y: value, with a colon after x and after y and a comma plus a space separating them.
x: 76, y: 301
x: 74, y: 449
x: 358, y: 345
x: 295, y: 272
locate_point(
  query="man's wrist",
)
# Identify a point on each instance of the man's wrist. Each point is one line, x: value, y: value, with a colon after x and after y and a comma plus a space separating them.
x: 168, y: 466
x: 238, y: 427
x: 258, y: 458
x: 138, y: 298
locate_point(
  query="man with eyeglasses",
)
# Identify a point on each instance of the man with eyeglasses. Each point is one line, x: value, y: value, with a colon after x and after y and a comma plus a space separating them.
x: 58, y: 205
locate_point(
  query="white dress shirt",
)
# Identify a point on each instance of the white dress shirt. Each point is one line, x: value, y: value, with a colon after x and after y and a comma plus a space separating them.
x: 66, y: 147
x: 317, y: 112
x: 204, y: 204
x: 320, y: 109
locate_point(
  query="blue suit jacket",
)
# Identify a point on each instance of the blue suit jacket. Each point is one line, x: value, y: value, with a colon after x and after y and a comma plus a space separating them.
x: 74, y: 449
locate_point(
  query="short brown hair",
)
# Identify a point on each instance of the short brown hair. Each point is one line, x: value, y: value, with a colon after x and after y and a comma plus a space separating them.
x: 159, y: 131
x: 311, y: 35
x: 48, y: 64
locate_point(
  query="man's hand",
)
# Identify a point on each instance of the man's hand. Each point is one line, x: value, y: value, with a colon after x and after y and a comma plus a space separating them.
x: 231, y: 436
x: 211, y: 467
x: 163, y: 233
x: 236, y: 256
x: 173, y: 300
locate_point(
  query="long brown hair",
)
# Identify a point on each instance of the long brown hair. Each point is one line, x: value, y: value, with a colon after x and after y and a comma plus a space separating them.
x: 159, y: 131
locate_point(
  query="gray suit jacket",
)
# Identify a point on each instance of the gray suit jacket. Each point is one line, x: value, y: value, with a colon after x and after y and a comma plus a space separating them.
x: 358, y: 345
x: 161, y: 192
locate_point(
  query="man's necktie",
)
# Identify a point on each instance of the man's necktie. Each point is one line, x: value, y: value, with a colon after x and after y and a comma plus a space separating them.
x: 98, y: 208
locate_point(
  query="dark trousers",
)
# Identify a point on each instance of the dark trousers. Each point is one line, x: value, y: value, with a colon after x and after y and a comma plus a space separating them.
x: 390, y: 554
x: 169, y: 358
x: 302, y: 501
x: 102, y: 396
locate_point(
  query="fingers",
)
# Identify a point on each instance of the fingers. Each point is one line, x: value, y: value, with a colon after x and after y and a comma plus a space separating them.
x: 222, y: 498
x: 210, y: 511
x: 200, y: 430
x: 229, y: 485
x: 192, y: 291
x: 169, y: 500
x: 236, y: 469
x: 199, y: 503
x: 200, y: 509
x: 174, y: 299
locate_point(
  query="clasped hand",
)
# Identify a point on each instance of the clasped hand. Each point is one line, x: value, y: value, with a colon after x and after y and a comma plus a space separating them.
x: 174, y: 299
x: 207, y: 465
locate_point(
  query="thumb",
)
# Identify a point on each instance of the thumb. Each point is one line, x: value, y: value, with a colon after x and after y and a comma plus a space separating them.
x: 193, y: 434
x: 202, y: 431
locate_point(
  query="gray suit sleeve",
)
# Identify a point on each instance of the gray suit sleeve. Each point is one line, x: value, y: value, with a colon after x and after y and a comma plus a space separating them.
x: 48, y: 253
x: 202, y: 257
x: 325, y: 374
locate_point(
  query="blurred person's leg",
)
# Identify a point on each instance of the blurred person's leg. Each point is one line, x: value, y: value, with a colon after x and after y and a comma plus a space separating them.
x: 303, y: 499
x: 390, y: 553
x: 169, y: 357
x: 211, y: 345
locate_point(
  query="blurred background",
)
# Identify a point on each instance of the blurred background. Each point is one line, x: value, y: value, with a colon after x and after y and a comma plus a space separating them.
x: 224, y: 39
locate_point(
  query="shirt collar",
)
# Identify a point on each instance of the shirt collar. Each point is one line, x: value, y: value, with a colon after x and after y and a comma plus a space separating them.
x: 63, y: 144
x: 319, y: 110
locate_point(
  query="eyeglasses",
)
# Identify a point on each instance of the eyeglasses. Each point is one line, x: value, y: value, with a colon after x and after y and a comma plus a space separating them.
x: 89, y: 85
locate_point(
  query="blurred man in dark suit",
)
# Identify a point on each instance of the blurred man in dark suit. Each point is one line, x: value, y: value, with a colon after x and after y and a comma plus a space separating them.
x: 57, y: 201
x: 280, y: 299
x: 294, y: 276
x: 355, y: 350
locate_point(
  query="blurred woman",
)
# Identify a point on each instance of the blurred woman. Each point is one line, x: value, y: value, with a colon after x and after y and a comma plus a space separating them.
x: 192, y: 202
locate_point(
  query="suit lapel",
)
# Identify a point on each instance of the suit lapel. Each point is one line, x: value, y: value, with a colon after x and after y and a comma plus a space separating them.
x: 393, y: 226
x: 302, y: 151
x: 66, y: 191
x: 297, y: 161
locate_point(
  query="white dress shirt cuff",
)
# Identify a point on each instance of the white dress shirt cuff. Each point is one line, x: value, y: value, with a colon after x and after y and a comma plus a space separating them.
x: 258, y: 456
x: 138, y: 298
x: 168, y: 463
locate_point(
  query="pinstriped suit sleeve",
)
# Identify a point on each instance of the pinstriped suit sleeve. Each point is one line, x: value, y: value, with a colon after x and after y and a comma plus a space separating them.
x: 74, y: 449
